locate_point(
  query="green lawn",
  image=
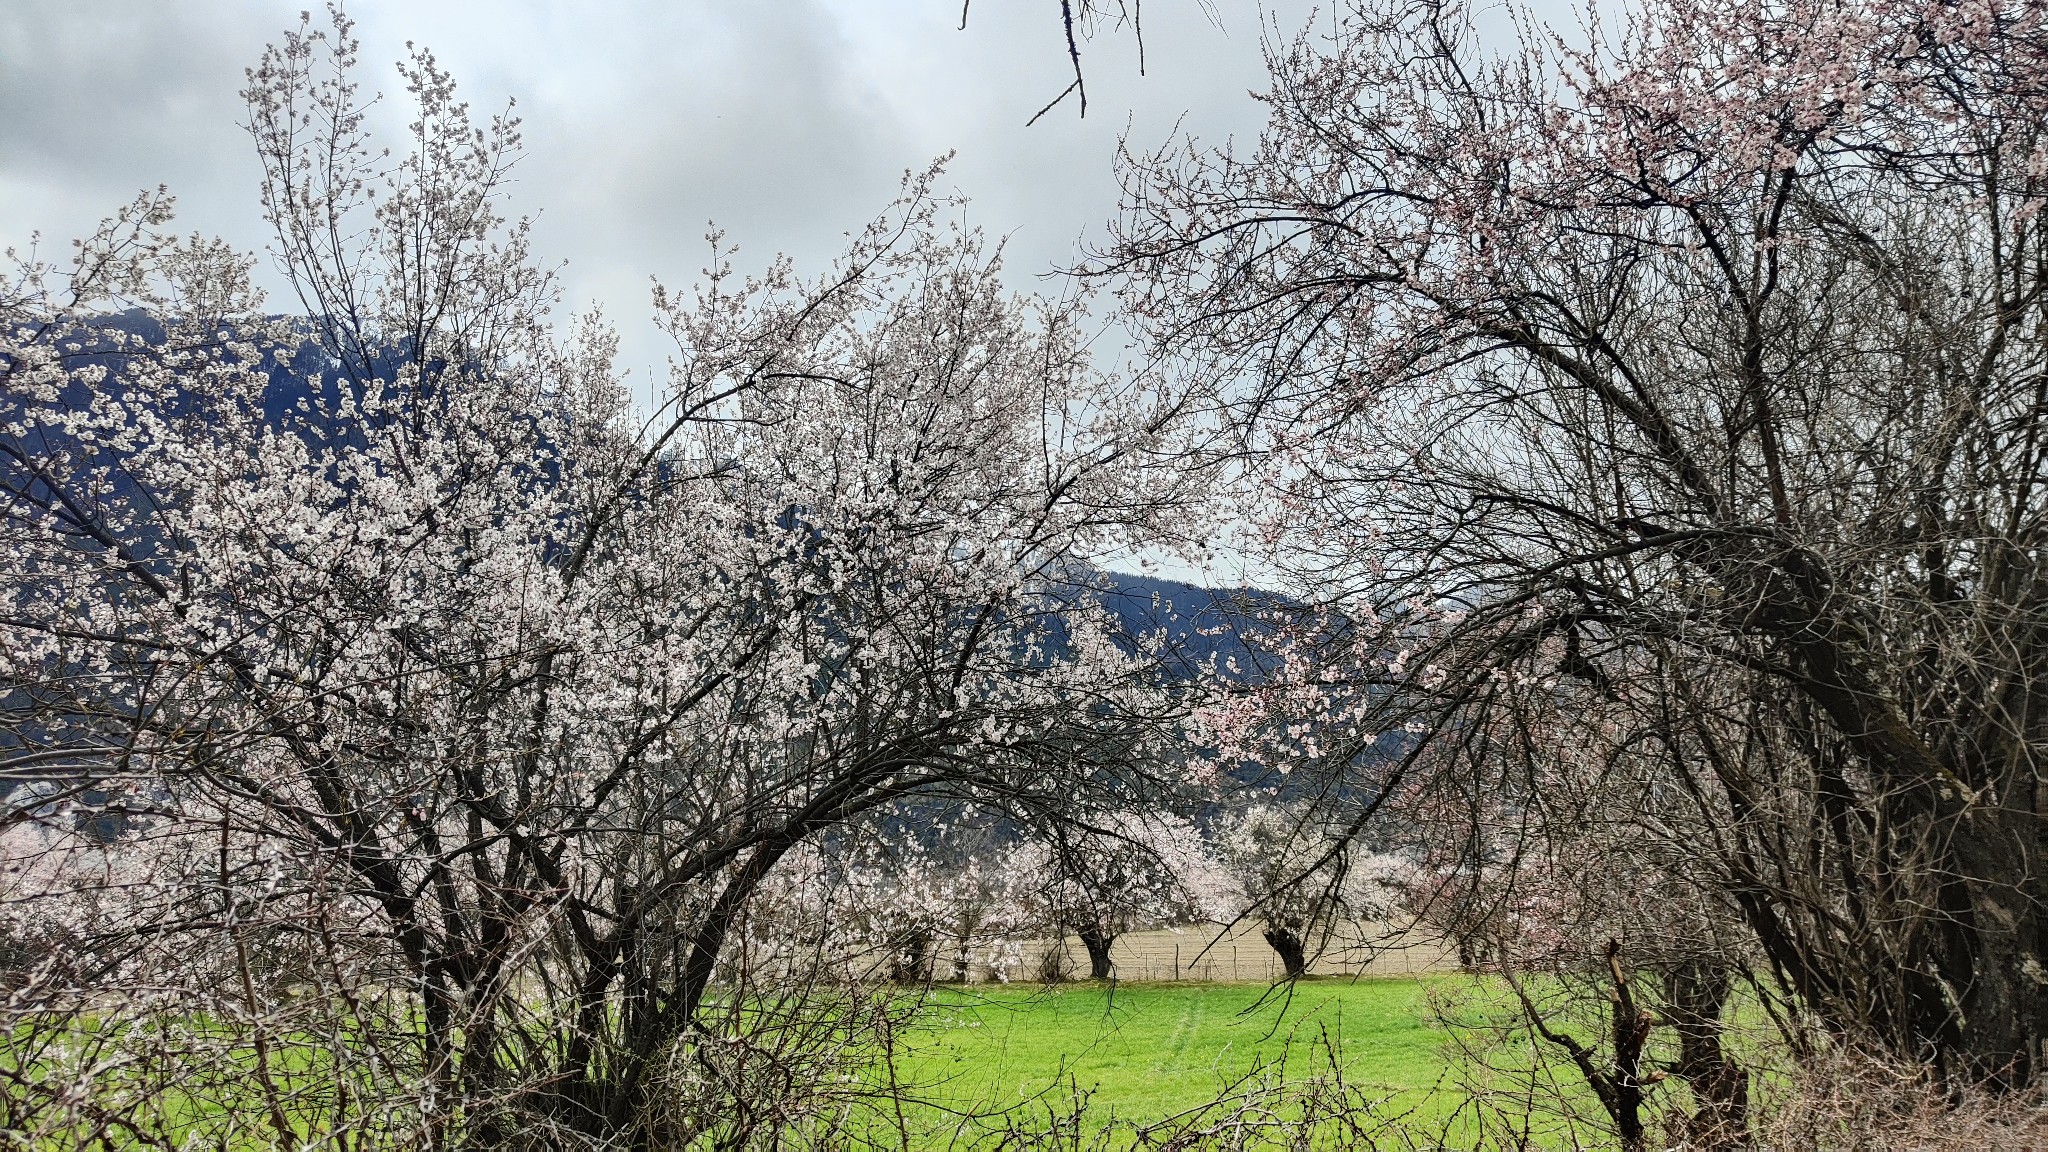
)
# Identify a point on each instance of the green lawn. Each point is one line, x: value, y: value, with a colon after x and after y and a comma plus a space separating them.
x: 1148, y: 1051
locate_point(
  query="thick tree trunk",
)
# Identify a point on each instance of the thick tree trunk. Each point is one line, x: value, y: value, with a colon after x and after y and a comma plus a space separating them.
x: 910, y: 960
x: 1695, y: 995
x: 2004, y: 1012
x: 1293, y: 952
x: 1972, y: 991
x: 1097, y: 940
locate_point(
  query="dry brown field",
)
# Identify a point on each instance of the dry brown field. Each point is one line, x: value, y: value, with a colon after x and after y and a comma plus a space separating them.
x: 1208, y: 952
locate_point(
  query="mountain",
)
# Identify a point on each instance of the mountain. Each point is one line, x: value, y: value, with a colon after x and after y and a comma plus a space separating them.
x: 1201, y: 627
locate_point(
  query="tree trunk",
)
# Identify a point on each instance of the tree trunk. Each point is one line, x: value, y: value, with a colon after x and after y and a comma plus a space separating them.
x: 1976, y: 816
x: 1632, y: 1028
x: 1695, y: 995
x: 1097, y: 941
x: 1617, y: 1082
x: 910, y: 961
x: 1293, y: 952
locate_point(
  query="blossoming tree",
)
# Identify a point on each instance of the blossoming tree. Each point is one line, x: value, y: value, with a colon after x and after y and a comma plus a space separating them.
x: 1685, y: 373
x: 491, y: 697
x: 1115, y: 872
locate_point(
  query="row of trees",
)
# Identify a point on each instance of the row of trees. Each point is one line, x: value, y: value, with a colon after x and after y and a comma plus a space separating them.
x: 962, y: 903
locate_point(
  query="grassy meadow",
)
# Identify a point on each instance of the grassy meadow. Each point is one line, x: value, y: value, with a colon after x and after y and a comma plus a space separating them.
x: 977, y: 1059
x: 1145, y: 1052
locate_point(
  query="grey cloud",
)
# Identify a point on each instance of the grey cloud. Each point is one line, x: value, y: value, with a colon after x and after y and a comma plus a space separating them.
x: 751, y: 118
x: 101, y: 99
x: 789, y: 123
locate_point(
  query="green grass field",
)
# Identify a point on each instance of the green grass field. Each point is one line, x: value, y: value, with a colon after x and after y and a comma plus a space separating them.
x: 1148, y: 1051
x: 974, y: 1061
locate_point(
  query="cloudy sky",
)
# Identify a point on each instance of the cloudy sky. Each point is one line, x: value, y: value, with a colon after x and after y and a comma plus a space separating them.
x: 788, y: 122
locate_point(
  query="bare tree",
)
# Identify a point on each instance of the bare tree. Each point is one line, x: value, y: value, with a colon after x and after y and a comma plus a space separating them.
x: 1687, y: 385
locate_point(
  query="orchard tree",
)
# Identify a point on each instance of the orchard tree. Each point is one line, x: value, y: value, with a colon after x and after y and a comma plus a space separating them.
x: 927, y: 894
x: 1119, y: 871
x: 1302, y: 880
x: 1688, y: 370
x: 405, y: 645
x: 875, y: 905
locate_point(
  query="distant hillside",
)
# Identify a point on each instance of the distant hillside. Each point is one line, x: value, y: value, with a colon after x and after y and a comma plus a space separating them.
x: 1199, y: 625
